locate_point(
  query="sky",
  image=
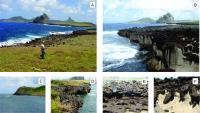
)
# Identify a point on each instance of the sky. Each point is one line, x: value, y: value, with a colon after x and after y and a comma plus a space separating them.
x: 8, y: 85
x: 117, y: 11
x: 78, y: 10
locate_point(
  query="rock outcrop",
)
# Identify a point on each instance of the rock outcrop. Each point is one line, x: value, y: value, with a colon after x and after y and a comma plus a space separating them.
x: 123, y: 96
x: 180, y: 85
x: 167, y: 18
x: 170, y: 47
x: 68, y: 98
x: 41, y: 19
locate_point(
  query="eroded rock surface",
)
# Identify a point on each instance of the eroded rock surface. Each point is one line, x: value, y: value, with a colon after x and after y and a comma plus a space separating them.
x: 170, y: 47
x: 123, y: 96
x: 180, y: 85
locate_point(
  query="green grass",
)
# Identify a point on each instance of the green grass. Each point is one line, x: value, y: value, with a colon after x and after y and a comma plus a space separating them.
x: 33, y: 91
x: 69, y: 82
x: 65, y: 23
x: 78, y: 54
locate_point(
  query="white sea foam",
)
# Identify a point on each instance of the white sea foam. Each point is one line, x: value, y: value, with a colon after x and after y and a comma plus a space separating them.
x: 15, y: 41
x: 118, y: 55
x: 60, y: 33
x: 109, y: 32
x: 56, y: 25
x: 114, y: 52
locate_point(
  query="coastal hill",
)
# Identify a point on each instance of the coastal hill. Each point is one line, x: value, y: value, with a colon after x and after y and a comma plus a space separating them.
x: 166, y: 18
x: 15, y: 19
x: 143, y: 21
x: 44, y: 19
x: 31, y: 91
x: 66, y: 95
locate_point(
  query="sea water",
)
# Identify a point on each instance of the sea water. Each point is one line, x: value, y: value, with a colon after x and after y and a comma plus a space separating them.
x: 12, y: 33
x: 21, y: 104
x: 89, y: 101
x: 119, y: 54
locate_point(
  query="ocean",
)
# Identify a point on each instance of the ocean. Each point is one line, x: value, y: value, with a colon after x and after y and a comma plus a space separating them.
x: 89, y: 101
x: 12, y: 33
x: 21, y: 104
x: 119, y: 54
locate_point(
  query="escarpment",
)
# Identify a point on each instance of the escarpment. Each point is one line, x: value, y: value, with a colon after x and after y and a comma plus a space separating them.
x: 125, y: 96
x: 177, y: 88
x: 66, y: 98
x: 170, y: 47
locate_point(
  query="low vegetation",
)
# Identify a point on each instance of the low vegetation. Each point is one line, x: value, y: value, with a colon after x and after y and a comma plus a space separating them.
x: 32, y: 91
x: 76, y: 54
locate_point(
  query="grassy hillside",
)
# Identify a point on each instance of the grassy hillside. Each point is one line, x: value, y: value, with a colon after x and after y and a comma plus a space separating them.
x: 33, y: 91
x: 77, y: 54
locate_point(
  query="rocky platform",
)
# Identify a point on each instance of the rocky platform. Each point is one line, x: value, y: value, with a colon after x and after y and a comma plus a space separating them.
x: 181, y: 85
x: 170, y: 47
x: 70, y: 97
x: 124, y: 96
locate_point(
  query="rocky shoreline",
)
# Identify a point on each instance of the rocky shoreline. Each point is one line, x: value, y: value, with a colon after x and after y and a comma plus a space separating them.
x: 170, y: 47
x: 69, y: 98
x: 181, y: 88
x: 53, y: 40
x: 125, y: 96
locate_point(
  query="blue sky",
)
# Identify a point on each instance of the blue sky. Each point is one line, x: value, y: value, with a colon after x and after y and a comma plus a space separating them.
x: 8, y: 85
x: 56, y: 9
x: 116, y: 11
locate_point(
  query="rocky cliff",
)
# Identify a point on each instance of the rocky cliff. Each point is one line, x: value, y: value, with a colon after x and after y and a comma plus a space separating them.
x: 170, y: 47
x: 181, y: 88
x: 125, y: 96
x: 67, y: 98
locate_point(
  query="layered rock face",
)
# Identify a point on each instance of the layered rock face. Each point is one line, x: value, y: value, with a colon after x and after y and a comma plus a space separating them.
x: 181, y: 86
x: 125, y: 96
x: 170, y: 47
x: 70, y: 97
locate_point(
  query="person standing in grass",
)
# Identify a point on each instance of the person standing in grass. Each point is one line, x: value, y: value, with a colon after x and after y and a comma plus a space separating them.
x: 42, y: 49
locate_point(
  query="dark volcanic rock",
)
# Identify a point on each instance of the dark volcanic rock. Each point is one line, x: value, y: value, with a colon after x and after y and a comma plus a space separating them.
x: 70, y: 95
x: 122, y: 96
x: 181, y: 85
x: 41, y: 19
x: 170, y: 47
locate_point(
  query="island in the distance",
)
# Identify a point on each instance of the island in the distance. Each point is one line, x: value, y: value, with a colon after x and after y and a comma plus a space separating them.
x: 44, y: 19
x: 31, y: 91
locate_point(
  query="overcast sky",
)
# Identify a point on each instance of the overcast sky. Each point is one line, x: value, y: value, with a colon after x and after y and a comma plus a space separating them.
x: 57, y: 9
x: 8, y: 85
x: 116, y: 11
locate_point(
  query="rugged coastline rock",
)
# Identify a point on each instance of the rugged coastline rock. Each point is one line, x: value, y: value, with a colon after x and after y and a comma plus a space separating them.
x: 124, y: 96
x: 170, y: 47
x: 52, y: 40
x: 68, y: 98
x: 181, y: 88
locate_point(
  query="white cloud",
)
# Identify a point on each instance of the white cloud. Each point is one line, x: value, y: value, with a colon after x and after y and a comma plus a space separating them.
x: 5, y: 5
x: 134, y: 9
x: 45, y: 6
